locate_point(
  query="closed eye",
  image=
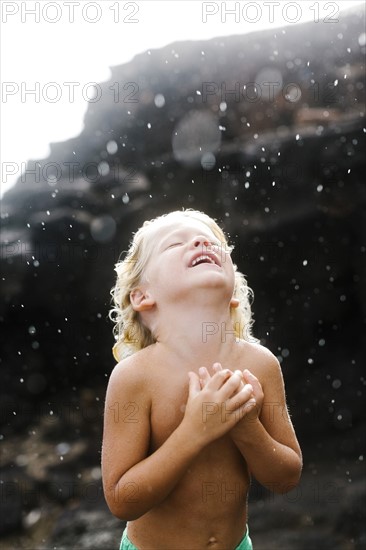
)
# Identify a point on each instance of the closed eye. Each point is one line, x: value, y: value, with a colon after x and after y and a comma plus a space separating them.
x: 173, y: 244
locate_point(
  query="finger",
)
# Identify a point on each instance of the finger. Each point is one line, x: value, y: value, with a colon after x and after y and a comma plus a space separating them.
x: 248, y: 408
x: 243, y: 397
x: 204, y: 376
x: 218, y: 379
x: 194, y: 384
x: 253, y: 380
x: 239, y: 372
x: 243, y: 381
x: 239, y: 405
x: 233, y: 385
x: 216, y: 367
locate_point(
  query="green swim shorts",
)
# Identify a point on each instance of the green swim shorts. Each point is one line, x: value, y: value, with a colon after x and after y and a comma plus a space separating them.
x: 245, y: 544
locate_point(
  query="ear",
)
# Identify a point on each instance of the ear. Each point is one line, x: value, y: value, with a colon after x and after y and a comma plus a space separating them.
x: 234, y: 302
x: 141, y: 300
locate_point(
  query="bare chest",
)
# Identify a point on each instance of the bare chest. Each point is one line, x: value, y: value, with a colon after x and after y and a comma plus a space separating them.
x: 169, y: 398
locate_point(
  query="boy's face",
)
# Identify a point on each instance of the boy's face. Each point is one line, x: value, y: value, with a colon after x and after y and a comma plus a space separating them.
x: 186, y: 255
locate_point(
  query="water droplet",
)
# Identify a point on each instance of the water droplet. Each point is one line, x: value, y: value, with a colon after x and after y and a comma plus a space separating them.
x: 159, y: 101
x: 63, y: 448
x: 103, y: 168
x: 103, y: 228
x: 208, y: 161
x: 362, y: 39
x: 32, y: 518
x: 112, y: 147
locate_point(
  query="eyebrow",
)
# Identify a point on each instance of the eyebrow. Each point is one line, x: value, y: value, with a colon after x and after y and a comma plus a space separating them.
x: 164, y: 239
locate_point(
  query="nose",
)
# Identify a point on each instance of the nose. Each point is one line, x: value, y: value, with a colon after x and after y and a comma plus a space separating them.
x: 201, y: 241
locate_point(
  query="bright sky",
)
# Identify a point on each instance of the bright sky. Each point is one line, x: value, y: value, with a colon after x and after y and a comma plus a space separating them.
x: 70, y: 41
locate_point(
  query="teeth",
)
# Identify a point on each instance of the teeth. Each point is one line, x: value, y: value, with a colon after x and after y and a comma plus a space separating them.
x: 200, y: 259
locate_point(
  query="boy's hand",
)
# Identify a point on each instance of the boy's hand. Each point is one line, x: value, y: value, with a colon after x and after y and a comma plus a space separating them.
x: 215, y: 404
x: 255, y: 403
x: 248, y: 378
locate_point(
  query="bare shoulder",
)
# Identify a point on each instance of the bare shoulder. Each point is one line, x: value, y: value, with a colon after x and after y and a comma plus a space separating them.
x: 131, y: 375
x: 261, y: 354
x: 261, y: 362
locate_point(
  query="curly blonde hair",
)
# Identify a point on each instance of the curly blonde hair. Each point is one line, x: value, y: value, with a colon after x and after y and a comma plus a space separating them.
x: 130, y: 333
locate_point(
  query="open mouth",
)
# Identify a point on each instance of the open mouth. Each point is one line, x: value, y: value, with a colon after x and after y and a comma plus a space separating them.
x: 204, y: 259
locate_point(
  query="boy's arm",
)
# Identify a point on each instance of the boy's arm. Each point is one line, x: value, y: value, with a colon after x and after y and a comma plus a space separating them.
x: 134, y: 482
x: 268, y: 441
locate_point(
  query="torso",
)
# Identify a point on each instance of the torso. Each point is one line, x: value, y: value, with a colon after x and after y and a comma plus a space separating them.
x: 209, y: 504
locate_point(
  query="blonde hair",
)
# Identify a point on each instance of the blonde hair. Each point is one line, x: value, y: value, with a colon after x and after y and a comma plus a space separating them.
x: 130, y: 333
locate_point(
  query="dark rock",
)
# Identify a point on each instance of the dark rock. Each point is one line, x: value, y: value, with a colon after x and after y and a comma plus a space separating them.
x: 18, y: 493
x: 323, y: 511
x: 350, y: 518
x: 87, y: 527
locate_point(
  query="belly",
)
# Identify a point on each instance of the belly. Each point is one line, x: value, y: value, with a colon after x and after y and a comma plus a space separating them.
x: 207, y: 508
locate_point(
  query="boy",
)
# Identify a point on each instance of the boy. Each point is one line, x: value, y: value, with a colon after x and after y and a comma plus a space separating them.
x: 195, y: 407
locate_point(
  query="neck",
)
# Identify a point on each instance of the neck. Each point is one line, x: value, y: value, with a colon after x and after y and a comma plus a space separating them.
x: 200, y: 334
